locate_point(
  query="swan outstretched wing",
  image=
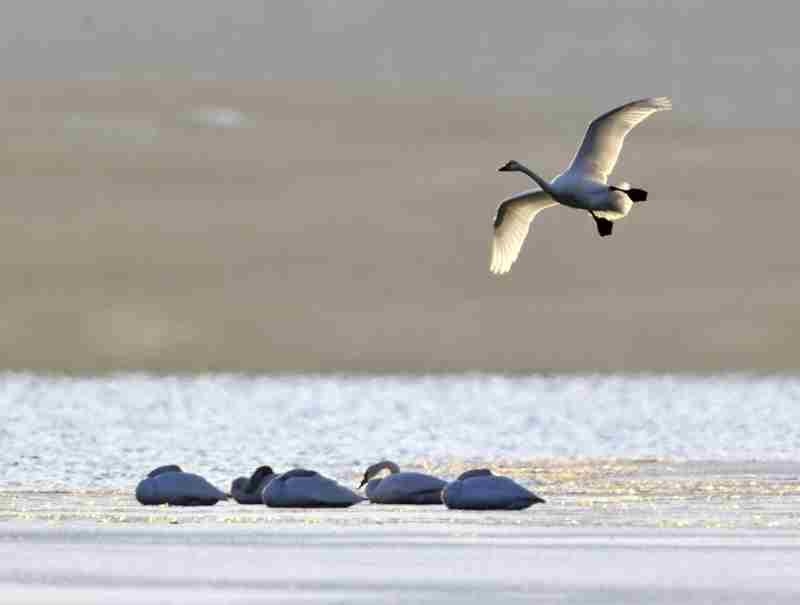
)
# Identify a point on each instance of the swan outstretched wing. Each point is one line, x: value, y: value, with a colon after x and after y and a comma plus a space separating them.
x: 511, y: 226
x: 602, y: 143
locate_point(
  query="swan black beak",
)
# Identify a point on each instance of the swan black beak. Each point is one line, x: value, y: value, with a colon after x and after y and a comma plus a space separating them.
x: 504, y: 168
x: 363, y: 483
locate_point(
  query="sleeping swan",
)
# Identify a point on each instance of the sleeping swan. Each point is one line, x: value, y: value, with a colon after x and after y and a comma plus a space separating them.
x: 399, y: 487
x: 481, y: 490
x: 248, y: 490
x: 170, y: 485
x: 301, y: 488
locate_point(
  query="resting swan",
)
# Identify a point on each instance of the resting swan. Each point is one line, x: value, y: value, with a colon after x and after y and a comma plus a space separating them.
x: 479, y: 489
x: 170, y: 485
x: 584, y: 185
x: 301, y: 488
x: 248, y: 490
x: 401, y: 487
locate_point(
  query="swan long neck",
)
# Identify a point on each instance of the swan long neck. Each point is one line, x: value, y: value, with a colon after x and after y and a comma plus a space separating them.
x: 543, y: 183
x: 377, y: 468
x: 385, y: 464
x: 258, y: 477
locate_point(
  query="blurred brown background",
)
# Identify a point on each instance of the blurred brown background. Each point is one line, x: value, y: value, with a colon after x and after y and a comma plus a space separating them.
x: 310, y: 186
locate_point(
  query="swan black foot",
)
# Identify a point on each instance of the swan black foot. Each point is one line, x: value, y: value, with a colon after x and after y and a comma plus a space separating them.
x: 604, y: 226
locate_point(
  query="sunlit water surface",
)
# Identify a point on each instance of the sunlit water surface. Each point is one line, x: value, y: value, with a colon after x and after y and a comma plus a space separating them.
x: 107, y: 432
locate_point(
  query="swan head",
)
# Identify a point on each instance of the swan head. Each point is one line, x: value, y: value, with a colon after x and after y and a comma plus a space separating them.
x: 512, y: 166
x: 373, y: 470
x: 258, y: 476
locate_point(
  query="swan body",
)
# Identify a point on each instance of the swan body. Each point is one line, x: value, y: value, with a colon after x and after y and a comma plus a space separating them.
x: 301, y: 488
x: 481, y: 490
x: 401, y: 487
x: 247, y: 490
x: 584, y: 185
x: 170, y: 485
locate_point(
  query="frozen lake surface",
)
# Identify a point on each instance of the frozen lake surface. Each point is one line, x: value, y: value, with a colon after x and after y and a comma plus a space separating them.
x: 412, y: 565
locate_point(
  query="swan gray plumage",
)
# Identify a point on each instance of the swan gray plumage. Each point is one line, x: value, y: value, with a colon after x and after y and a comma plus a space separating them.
x: 301, y: 488
x: 584, y: 185
x: 247, y: 490
x: 479, y: 489
x: 170, y: 485
x: 401, y: 487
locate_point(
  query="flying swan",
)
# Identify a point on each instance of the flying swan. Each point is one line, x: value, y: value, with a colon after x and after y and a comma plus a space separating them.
x: 584, y: 185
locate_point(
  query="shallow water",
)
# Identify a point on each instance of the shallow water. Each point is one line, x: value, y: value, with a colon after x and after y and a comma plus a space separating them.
x: 107, y: 432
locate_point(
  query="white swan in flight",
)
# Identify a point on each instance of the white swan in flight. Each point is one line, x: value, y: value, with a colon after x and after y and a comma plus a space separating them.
x: 584, y: 185
x: 401, y: 487
x: 479, y: 489
x: 170, y: 485
x: 301, y: 488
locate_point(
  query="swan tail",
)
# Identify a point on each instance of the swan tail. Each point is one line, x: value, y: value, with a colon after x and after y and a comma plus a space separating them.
x: 637, y: 195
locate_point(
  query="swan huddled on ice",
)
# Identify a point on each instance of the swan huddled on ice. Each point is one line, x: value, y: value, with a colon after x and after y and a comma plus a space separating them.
x: 401, y: 487
x: 170, y: 485
x: 247, y: 490
x: 301, y: 488
x: 479, y: 489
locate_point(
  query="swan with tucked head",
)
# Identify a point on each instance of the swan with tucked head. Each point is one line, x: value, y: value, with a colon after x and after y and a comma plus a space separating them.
x: 584, y: 185
x: 401, y: 487
x: 479, y: 489
x: 170, y: 485
x: 301, y: 488
x: 247, y: 490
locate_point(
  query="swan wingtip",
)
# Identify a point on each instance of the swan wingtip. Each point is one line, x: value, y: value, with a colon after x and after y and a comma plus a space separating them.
x: 661, y: 103
x: 497, y: 269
